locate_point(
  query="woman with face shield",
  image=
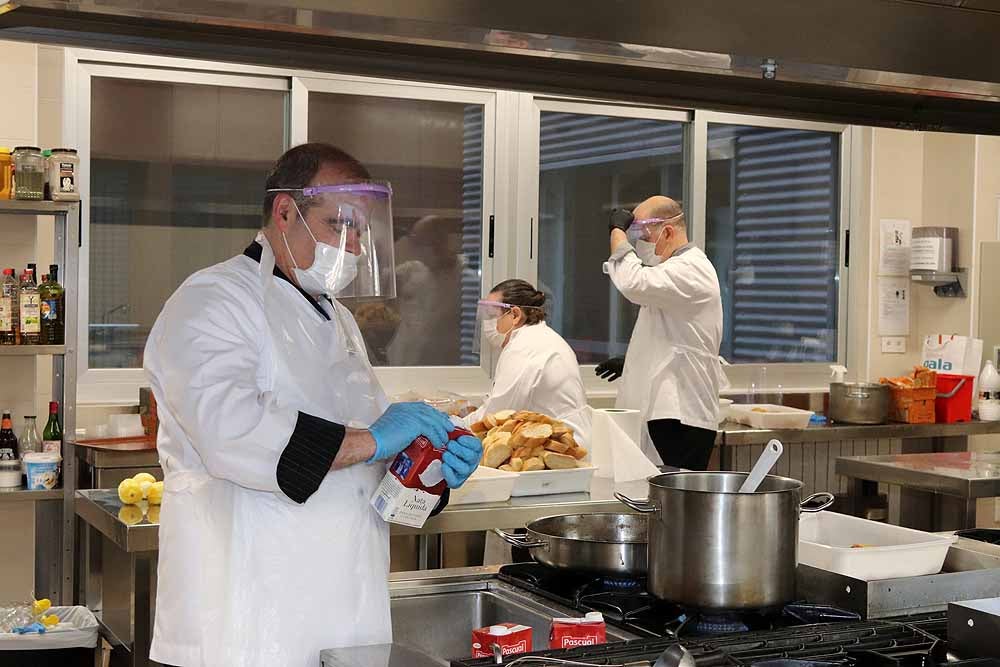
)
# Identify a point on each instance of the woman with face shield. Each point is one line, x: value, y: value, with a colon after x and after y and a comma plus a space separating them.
x: 536, y: 369
x: 274, y: 432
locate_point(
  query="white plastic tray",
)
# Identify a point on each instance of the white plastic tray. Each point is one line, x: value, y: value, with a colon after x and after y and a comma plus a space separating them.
x: 777, y: 416
x: 77, y: 629
x: 544, y: 482
x: 825, y: 540
x: 486, y: 485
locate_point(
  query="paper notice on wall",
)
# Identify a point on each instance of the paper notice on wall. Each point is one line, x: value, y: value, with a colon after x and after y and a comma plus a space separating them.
x: 894, y: 247
x: 893, y: 306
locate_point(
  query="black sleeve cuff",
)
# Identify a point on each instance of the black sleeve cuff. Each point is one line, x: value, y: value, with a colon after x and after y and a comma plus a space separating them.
x: 445, y: 497
x: 308, y: 456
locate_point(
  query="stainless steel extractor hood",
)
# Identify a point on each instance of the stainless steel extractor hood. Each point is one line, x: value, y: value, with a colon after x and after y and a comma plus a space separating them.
x: 925, y: 64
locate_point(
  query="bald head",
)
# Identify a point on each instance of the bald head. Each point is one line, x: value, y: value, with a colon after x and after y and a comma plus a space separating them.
x: 661, y: 207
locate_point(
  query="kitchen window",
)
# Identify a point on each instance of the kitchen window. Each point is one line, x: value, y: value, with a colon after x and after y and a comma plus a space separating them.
x: 432, y: 153
x: 773, y: 231
x: 590, y: 159
x: 176, y: 171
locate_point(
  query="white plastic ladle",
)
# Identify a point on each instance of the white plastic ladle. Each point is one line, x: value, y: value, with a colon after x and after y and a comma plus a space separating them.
x: 767, y: 459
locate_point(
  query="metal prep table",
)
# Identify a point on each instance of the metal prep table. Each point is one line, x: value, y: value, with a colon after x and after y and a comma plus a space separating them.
x: 811, y: 454
x: 120, y: 581
x: 966, y: 476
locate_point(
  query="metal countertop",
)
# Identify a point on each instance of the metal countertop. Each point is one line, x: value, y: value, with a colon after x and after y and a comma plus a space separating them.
x: 962, y: 474
x: 102, y: 509
x: 737, y: 434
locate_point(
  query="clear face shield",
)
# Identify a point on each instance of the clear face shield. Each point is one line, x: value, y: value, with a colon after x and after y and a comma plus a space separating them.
x: 644, y: 234
x: 489, y: 316
x: 351, y: 224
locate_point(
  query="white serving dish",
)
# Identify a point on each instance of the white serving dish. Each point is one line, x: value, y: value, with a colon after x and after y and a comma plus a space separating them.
x: 724, y: 405
x: 545, y: 482
x: 486, y: 485
x: 825, y: 540
x: 776, y: 417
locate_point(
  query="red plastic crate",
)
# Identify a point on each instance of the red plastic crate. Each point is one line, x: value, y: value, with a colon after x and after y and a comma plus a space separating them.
x: 954, y: 398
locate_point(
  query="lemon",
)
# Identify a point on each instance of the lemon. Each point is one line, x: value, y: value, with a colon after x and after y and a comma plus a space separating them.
x: 50, y: 620
x: 41, y: 606
x: 144, y: 477
x: 129, y: 491
x: 144, y: 487
x: 153, y: 514
x: 155, y: 495
x: 130, y: 514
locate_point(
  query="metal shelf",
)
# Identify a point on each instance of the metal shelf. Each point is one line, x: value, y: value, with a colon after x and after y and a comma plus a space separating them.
x: 26, y: 207
x: 24, y: 495
x: 31, y: 350
x: 945, y: 283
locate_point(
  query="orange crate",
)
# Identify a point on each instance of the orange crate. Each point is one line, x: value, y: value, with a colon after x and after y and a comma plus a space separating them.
x: 908, y: 411
x: 913, y: 397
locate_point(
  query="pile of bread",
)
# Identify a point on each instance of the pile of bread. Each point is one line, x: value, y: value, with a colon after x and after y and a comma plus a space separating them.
x: 524, y: 441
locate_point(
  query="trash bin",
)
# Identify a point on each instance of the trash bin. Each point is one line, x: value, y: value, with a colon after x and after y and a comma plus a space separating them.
x: 69, y: 644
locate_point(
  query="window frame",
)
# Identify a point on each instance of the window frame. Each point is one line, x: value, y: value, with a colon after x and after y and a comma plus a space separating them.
x: 398, y: 379
x: 793, y: 377
x: 510, y: 198
x: 525, y: 255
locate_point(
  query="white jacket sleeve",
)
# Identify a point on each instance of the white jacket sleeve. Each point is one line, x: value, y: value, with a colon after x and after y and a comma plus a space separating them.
x: 202, y: 359
x: 672, y: 283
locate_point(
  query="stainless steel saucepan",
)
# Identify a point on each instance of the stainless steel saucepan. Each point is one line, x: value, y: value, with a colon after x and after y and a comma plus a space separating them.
x: 613, y: 544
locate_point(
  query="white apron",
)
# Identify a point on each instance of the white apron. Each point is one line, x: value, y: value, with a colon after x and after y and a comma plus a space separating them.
x: 278, y: 582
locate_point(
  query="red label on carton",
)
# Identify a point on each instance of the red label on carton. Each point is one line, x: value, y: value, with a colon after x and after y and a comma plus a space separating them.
x: 575, y: 632
x: 510, y: 637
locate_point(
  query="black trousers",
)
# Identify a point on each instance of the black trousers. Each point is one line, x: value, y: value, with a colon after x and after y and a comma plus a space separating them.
x: 680, y: 445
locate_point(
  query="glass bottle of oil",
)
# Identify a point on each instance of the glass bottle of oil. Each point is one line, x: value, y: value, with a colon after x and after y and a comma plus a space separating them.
x: 53, y: 315
x: 30, y: 310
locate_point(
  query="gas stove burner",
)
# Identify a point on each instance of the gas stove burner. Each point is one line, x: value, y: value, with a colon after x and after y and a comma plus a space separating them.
x: 619, y: 584
x: 718, y: 624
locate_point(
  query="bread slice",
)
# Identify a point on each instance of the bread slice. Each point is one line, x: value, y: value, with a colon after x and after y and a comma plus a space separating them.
x: 556, y: 446
x: 556, y: 461
x: 502, y: 416
x: 522, y: 452
x: 534, y: 463
x: 516, y: 464
x: 559, y: 429
x: 579, y: 452
x: 509, y: 425
x: 496, y: 455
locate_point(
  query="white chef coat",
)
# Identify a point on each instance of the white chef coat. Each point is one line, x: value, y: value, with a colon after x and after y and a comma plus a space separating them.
x: 538, y: 371
x: 247, y: 577
x: 672, y: 367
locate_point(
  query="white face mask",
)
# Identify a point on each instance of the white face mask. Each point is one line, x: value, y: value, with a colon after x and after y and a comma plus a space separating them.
x: 332, y: 269
x: 646, y: 252
x: 493, y: 337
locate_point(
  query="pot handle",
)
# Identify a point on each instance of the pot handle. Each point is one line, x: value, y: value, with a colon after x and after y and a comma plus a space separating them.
x: 641, y: 506
x: 829, y: 498
x: 521, y: 541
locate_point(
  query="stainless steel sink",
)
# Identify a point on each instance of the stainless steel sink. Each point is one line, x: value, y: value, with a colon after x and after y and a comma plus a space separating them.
x: 442, y: 624
x: 439, y: 619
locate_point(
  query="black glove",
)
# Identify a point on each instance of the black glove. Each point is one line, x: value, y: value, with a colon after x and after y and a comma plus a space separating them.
x: 620, y: 219
x: 611, y: 369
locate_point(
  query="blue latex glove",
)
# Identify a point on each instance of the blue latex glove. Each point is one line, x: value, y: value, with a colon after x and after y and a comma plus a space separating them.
x: 403, y: 423
x: 461, y: 460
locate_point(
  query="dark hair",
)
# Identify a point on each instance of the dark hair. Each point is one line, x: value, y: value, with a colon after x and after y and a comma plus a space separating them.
x: 299, y: 165
x: 522, y: 293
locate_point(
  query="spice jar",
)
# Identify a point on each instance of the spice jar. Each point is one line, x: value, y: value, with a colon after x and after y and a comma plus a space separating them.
x: 6, y: 168
x: 29, y: 173
x: 64, y: 164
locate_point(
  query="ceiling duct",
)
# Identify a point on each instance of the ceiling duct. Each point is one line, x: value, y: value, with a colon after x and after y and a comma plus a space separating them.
x: 920, y: 64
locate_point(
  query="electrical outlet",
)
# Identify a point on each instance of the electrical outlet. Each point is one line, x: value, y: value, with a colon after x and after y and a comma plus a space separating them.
x: 894, y: 344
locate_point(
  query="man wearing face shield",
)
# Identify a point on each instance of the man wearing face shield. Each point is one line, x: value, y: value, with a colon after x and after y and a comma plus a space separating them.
x: 274, y: 432
x: 671, y: 372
